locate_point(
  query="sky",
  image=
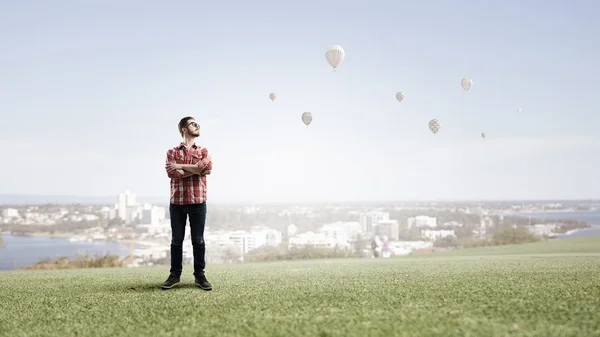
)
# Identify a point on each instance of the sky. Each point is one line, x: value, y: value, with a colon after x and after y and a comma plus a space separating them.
x: 91, y: 93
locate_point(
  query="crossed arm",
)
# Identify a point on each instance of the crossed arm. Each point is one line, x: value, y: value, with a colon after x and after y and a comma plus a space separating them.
x: 180, y: 171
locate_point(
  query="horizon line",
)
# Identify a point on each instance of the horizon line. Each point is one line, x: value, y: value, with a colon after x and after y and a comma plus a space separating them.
x: 373, y: 201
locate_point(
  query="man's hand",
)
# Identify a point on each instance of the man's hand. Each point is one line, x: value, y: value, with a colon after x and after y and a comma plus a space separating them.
x: 205, y: 160
x: 171, y: 167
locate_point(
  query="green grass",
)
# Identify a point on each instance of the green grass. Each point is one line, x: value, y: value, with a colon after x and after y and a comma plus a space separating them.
x: 564, y: 247
x: 505, y: 294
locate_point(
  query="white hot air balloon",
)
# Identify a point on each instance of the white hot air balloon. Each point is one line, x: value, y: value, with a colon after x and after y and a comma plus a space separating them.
x: 272, y: 96
x: 307, y: 118
x: 519, y: 110
x: 399, y: 96
x: 466, y: 83
x: 335, y: 55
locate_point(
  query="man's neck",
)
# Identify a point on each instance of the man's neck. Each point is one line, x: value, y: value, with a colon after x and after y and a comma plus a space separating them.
x: 188, y: 142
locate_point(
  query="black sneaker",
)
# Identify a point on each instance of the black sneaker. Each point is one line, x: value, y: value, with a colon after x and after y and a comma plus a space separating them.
x: 170, y: 282
x: 202, y: 283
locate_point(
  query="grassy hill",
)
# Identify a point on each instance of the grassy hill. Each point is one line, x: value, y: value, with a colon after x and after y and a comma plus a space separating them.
x: 542, y: 289
x: 583, y: 245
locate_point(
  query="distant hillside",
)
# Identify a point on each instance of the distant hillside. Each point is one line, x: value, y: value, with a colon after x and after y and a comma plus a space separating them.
x: 584, y: 245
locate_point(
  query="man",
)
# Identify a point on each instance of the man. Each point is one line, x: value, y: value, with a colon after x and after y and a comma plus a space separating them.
x: 188, y: 165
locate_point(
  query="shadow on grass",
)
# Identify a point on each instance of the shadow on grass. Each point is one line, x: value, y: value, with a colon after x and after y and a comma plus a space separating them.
x: 154, y: 287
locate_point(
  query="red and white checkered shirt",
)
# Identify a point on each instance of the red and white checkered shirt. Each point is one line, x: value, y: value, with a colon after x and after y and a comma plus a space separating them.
x: 189, y: 190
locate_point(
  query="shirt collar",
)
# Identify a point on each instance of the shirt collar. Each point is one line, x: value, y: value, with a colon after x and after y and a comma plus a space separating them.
x: 182, y: 146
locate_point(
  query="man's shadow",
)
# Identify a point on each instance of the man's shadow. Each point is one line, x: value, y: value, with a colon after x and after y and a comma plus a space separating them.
x: 154, y: 287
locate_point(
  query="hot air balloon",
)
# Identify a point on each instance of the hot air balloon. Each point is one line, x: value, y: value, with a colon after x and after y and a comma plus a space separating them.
x: 466, y: 83
x: 434, y: 126
x: 399, y: 96
x: 272, y: 96
x: 483, y: 135
x: 307, y: 118
x: 335, y: 55
x: 519, y: 110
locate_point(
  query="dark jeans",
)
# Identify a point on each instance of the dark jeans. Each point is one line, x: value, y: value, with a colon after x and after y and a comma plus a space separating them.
x: 197, y: 216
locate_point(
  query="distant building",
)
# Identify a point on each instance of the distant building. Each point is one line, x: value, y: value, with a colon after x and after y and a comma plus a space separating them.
x: 388, y: 228
x: 369, y: 220
x: 312, y: 239
x: 10, y: 213
x: 258, y: 236
x: 421, y: 221
x: 265, y: 236
x: 433, y: 235
x: 152, y: 229
x: 243, y: 240
x: 292, y: 230
x: 127, y: 207
x: 153, y: 215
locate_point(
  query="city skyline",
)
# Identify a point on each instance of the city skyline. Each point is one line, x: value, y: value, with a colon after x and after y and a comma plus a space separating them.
x: 94, y: 93
x: 38, y: 199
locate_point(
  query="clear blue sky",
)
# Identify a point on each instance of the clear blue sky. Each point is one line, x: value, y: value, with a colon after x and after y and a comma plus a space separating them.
x: 91, y: 92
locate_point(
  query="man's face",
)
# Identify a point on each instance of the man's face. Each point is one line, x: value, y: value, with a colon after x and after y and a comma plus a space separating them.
x: 193, y: 128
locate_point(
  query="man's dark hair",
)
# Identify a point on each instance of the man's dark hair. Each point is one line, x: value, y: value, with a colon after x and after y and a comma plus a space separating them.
x: 183, y: 123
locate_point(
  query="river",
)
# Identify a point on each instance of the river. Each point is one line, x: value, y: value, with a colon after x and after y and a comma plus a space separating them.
x: 22, y: 251
x: 592, y: 218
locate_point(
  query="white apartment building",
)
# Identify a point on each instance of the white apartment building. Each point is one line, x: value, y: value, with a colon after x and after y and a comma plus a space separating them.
x: 389, y: 228
x: 127, y: 208
x: 265, y: 236
x: 292, y: 230
x: 10, y: 213
x: 339, y: 234
x: 369, y: 220
x: 312, y: 239
x: 434, y: 234
x: 346, y: 231
x: 243, y: 240
x: 153, y: 215
x: 257, y: 237
x: 217, y: 238
x: 421, y: 221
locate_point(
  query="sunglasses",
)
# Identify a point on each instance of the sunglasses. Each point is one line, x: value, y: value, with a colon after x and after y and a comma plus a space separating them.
x: 194, y: 124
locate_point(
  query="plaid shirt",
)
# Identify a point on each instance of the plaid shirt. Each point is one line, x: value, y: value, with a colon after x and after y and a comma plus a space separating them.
x: 190, y: 190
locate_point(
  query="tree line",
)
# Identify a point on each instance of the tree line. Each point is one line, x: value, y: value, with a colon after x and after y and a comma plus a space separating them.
x: 504, y: 236
x: 80, y: 261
